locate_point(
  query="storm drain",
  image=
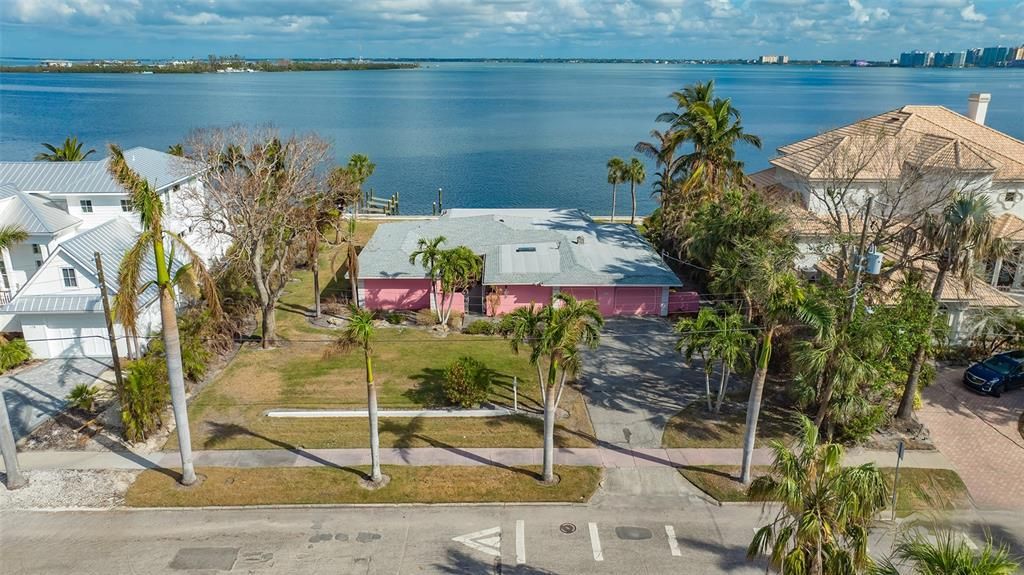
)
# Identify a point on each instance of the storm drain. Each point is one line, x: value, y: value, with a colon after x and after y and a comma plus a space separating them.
x: 567, y: 528
x: 633, y: 533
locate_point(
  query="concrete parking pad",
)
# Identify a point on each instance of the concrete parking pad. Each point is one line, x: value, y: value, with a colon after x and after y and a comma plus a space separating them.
x: 979, y: 435
x: 36, y: 394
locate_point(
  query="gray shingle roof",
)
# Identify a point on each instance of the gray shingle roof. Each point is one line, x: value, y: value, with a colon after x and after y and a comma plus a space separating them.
x: 35, y: 215
x: 524, y: 247
x: 91, y: 177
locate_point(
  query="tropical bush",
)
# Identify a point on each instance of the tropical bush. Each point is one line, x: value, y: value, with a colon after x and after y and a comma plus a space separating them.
x: 426, y: 318
x: 143, y: 398
x: 394, y: 318
x: 200, y: 338
x: 83, y: 396
x: 455, y: 320
x: 467, y: 382
x: 14, y: 353
x: 480, y: 327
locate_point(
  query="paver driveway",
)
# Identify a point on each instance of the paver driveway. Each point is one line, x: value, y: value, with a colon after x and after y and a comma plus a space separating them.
x: 979, y: 435
x: 635, y: 381
x: 39, y: 392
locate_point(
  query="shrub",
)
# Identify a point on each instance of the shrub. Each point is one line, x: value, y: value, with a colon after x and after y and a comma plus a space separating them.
x: 426, y: 317
x: 198, y: 337
x: 83, y: 397
x: 394, y: 318
x: 13, y: 354
x: 455, y: 320
x: 143, y: 398
x: 466, y: 382
x: 479, y: 327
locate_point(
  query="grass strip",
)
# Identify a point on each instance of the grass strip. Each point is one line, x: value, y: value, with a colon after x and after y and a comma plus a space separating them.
x: 223, y: 486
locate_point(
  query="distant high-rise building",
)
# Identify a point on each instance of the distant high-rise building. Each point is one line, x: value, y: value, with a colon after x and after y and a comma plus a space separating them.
x: 1017, y: 54
x: 994, y: 56
x: 768, y: 60
x: 916, y: 59
x: 785, y: 59
x: 906, y: 59
x: 973, y: 57
x: 950, y: 59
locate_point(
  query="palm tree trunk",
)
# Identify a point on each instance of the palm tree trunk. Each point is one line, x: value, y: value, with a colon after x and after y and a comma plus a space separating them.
x: 550, y: 408
x: 827, y: 388
x: 754, y: 404
x: 353, y: 272
x: 632, y: 192
x: 371, y: 400
x: 613, y: 203
x: 176, y: 379
x: 707, y: 383
x: 723, y: 384
x: 906, y: 409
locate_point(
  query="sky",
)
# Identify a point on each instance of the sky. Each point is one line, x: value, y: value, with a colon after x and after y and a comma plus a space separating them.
x: 839, y: 29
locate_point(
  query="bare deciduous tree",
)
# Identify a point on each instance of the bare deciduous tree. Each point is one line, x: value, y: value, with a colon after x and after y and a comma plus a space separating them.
x: 256, y: 193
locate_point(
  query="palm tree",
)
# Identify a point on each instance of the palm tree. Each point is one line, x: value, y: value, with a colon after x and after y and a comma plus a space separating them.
x: 730, y: 344
x: 176, y: 150
x: 458, y: 269
x: 714, y: 128
x: 961, y: 235
x: 686, y: 98
x: 359, y: 333
x: 773, y: 293
x: 635, y: 174
x: 70, y: 151
x: 427, y: 251
x: 190, y: 278
x: 554, y: 334
x: 661, y: 149
x: 826, y: 512
x: 948, y: 555
x: 361, y: 168
x: 353, y: 261
x: 12, y: 234
x: 695, y: 338
x: 616, y: 176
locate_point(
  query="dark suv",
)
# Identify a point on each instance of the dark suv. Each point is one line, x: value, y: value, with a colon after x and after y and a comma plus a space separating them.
x: 996, y: 374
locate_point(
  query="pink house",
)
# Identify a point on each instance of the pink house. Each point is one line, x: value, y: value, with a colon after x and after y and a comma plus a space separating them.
x: 529, y: 255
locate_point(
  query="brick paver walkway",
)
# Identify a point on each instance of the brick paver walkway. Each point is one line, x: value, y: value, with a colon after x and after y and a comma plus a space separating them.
x: 979, y: 435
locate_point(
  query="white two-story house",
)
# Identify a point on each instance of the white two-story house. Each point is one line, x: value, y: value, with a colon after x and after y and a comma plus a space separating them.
x: 907, y: 160
x: 49, y: 291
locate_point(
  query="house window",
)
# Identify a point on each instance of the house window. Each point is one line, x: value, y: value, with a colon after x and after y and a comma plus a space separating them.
x: 35, y: 248
x: 86, y: 206
x: 126, y: 205
x: 39, y: 264
x: 70, y: 280
x: 1010, y: 197
x: 4, y: 283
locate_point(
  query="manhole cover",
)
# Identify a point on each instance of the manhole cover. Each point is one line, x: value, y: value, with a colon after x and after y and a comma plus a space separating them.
x: 567, y: 528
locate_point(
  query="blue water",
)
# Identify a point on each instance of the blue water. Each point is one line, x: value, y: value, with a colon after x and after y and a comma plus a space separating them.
x: 492, y: 135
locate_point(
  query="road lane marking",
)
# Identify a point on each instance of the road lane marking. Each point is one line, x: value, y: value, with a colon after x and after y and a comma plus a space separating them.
x: 486, y: 541
x: 520, y: 542
x: 595, y: 542
x: 673, y: 543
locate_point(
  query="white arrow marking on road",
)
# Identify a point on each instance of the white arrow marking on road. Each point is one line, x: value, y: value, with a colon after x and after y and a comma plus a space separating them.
x: 595, y: 542
x: 673, y: 543
x: 520, y: 542
x: 485, y: 541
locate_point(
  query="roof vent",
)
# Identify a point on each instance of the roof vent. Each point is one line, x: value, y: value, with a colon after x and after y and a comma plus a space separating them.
x: 522, y: 249
x: 579, y: 240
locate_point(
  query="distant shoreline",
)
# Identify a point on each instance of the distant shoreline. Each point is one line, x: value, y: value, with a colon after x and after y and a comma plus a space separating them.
x: 205, y: 68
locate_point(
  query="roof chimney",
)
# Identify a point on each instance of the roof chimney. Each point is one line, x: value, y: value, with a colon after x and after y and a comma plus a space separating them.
x: 977, y: 106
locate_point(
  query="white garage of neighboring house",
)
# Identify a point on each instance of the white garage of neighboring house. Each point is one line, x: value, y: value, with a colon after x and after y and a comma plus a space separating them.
x: 59, y: 310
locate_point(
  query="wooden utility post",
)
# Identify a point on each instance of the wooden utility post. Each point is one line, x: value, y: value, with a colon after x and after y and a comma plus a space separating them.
x: 15, y: 479
x: 110, y: 324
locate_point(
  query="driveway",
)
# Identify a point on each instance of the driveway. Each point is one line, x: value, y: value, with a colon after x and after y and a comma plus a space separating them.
x: 635, y: 381
x: 979, y: 435
x: 35, y: 394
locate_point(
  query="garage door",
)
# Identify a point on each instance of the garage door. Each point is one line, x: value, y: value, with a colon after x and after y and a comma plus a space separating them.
x: 77, y: 335
x: 637, y: 301
x: 581, y: 293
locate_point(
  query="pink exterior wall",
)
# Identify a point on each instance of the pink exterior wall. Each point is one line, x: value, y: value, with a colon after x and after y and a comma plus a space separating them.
x: 683, y: 302
x: 515, y: 297
x: 397, y: 294
x: 457, y: 300
x: 604, y: 295
x: 620, y: 300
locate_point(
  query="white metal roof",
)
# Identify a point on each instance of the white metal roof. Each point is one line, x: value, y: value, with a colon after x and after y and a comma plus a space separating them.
x: 33, y: 214
x: 91, y: 176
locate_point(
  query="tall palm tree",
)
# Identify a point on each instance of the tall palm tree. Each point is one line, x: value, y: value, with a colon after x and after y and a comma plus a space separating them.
x: 961, y: 235
x: 775, y: 296
x: 695, y: 339
x: 687, y: 97
x: 635, y: 174
x: 948, y: 554
x: 661, y: 149
x: 730, y: 343
x: 353, y: 261
x: 554, y: 334
x: 457, y: 269
x: 70, y: 151
x: 427, y: 251
x: 714, y: 128
x: 359, y: 333
x: 827, y: 509
x: 190, y: 278
x: 616, y: 176
x: 361, y: 168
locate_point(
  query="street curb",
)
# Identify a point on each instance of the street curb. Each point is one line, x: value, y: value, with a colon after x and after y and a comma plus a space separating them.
x: 350, y: 506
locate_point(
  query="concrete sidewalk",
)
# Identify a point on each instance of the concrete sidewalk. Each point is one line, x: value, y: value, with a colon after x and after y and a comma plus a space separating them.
x: 608, y: 457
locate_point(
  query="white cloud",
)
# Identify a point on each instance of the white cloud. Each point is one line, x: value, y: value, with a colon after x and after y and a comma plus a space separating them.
x: 863, y: 15
x: 969, y: 14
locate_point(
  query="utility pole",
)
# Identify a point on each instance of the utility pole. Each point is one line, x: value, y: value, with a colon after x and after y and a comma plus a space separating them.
x: 110, y: 323
x: 861, y: 258
x: 15, y: 480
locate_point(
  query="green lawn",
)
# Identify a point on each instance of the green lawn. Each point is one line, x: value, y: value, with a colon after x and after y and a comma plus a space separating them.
x: 222, y: 486
x: 919, y: 490
x: 408, y: 364
x: 694, y: 426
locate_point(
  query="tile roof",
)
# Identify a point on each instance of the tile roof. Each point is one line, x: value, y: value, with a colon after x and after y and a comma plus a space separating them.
x: 91, y: 177
x: 1008, y: 227
x: 932, y: 136
x: 35, y: 215
x: 524, y: 247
